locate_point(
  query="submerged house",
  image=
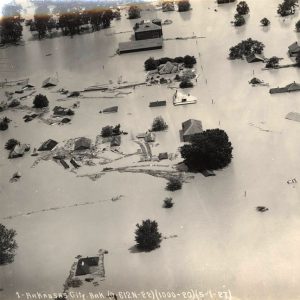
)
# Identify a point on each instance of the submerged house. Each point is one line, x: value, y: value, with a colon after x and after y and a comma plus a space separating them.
x: 48, y: 145
x: 190, y: 128
x: 18, y: 151
x: 147, y: 29
x: 50, y: 81
x: 255, y: 58
x: 82, y: 143
x: 182, y: 99
x: 294, y: 49
x: 168, y: 6
x: 292, y: 87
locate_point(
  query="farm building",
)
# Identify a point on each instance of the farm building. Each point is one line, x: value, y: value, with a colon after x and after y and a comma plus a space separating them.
x: 190, y: 128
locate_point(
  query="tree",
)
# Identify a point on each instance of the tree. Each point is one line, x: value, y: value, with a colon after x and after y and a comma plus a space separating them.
x: 174, y: 184
x: 159, y: 124
x: 287, y: 7
x: 134, y: 12
x: 265, y: 22
x: 10, y: 24
x: 298, y: 26
x: 147, y: 235
x: 242, y: 8
x: 186, y: 83
x: 168, y: 203
x: 8, y: 245
x: 42, y: 21
x: 40, y: 101
x: 245, y: 48
x: 11, y: 143
x: 272, y: 62
x: 4, y: 124
x: 239, y: 20
x: 150, y: 64
x: 184, y: 5
x: 209, y: 150
x: 189, y: 61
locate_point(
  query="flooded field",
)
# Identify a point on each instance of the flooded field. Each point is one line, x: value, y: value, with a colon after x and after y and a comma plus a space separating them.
x: 222, y: 242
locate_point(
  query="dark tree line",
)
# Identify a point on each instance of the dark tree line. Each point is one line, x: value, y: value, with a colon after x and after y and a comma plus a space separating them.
x: 71, y: 21
x: 10, y: 24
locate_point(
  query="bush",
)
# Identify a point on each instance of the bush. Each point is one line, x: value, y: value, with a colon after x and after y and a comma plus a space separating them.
x: 11, y: 143
x: 159, y: 124
x: 245, y: 48
x: 116, y: 130
x: 134, y: 12
x: 242, y: 8
x: 107, y: 131
x: 186, y: 84
x: 189, y: 61
x: 168, y: 203
x: 239, y: 20
x: 265, y: 22
x: 8, y: 245
x: 40, y: 101
x: 184, y: 5
x: 147, y: 235
x: 209, y: 150
x: 3, y: 125
x: 150, y: 64
x: 174, y: 184
x: 272, y: 62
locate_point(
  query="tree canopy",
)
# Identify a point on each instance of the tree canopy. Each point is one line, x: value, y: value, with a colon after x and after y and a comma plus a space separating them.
x: 40, y: 101
x: 209, y: 150
x: 147, y: 235
x: 184, y: 5
x: 287, y: 7
x: 242, y: 8
x: 8, y: 245
x: 245, y: 48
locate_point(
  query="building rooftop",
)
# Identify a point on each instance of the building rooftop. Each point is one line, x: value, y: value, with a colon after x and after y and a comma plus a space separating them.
x: 141, y: 45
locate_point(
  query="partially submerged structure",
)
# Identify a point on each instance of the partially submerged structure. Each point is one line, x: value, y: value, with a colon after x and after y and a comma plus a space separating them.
x: 168, y: 68
x: 141, y: 45
x: 158, y: 103
x: 49, y: 82
x: 255, y: 58
x: 62, y: 111
x: 82, y: 143
x: 18, y: 151
x: 294, y: 49
x: 147, y: 29
x: 115, y: 141
x: 190, y: 128
x: 183, y: 99
x: 149, y: 137
x: 48, y: 145
x: 293, y: 116
x: 163, y: 155
x: 225, y: 1
x: 111, y: 109
x: 292, y: 87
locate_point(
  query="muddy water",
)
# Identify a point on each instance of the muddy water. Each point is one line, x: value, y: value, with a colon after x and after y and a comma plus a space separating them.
x: 222, y: 243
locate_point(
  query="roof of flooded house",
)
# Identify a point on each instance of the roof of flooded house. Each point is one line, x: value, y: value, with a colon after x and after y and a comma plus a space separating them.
x: 158, y: 103
x: 294, y: 47
x: 255, y: 57
x: 116, y: 140
x: 292, y: 87
x: 82, y: 143
x: 191, y: 127
x: 168, y: 68
x: 146, y: 26
x: 140, y: 45
x: 50, y: 81
x: 18, y: 150
x: 111, y: 109
x: 48, y: 145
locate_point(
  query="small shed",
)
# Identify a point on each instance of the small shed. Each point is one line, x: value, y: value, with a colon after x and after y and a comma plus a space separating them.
x: 50, y: 81
x: 48, y: 145
x: 158, y: 103
x: 163, y: 155
x: 112, y: 109
x: 82, y: 143
x: 255, y: 58
x: 116, y: 141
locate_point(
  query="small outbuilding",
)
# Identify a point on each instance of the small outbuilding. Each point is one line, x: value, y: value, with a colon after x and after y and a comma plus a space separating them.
x: 82, y: 143
x: 294, y: 49
x: 116, y: 141
x: 163, y: 155
x: 18, y: 151
x: 49, y: 82
x: 48, y: 145
x: 112, y: 109
x: 158, y: 103
x: 255, y: 58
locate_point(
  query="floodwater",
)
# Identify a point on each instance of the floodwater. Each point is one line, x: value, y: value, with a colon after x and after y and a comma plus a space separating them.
x: 223, y: 243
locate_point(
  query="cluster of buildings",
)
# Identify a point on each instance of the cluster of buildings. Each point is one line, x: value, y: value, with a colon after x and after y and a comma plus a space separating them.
x: 147, y: 36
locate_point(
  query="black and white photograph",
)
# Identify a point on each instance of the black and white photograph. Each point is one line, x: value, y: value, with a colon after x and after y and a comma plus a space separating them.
x: 149, y: 149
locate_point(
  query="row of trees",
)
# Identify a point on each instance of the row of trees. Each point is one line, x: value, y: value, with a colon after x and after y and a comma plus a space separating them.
x: 70, y: 22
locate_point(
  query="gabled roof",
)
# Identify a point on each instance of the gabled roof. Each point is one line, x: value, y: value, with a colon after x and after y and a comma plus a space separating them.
x: 82, y: 143
x: 294, y: 47
x: 191, y: 127
x: 146, y: 26
x: 255, y: 57
x: 293, y: 87
x: 48, y: 145
x: 50, y: 81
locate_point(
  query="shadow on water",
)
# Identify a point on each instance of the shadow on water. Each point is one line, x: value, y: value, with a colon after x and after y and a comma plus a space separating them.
x: 135, y: 249
x: 186, y: 15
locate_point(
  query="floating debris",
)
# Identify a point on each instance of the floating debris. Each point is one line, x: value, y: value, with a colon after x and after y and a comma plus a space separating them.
x: 262, y: 208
